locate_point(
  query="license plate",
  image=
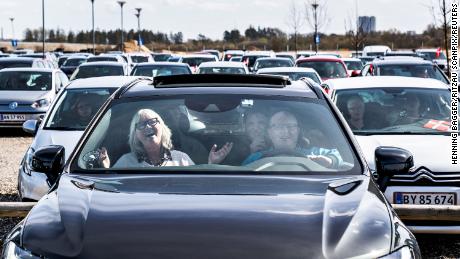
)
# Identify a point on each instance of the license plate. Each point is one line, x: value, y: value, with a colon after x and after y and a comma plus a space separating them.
x: 425, y: 198
x: 13, y: 117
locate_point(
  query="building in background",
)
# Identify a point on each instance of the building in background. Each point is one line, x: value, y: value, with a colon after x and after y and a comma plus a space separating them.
x: 366, y: 23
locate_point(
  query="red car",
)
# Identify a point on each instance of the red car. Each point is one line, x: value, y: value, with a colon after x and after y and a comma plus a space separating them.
x: 327, y: 66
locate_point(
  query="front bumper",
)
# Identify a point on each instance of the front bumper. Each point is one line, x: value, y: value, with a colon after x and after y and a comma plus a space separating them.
x: 432, y: 222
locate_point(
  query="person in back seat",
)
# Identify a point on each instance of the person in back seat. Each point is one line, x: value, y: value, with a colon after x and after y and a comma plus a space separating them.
x: 363, y: 116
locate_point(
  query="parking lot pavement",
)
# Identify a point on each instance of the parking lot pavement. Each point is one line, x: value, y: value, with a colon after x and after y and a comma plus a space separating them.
x: 14, y: 143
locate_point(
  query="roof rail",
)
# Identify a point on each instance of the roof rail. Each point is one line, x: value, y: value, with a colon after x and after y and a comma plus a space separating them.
x: 128, y: 85
x: 176, y: 80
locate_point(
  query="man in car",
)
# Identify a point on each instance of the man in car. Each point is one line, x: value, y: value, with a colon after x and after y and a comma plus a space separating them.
x: 284, y: 134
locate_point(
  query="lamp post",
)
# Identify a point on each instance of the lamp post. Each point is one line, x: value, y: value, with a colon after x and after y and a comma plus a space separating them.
x: 43, y: 26
x: 315, y: 7
x: 12, y: 28
x: 138, y: 15
x: 121, y: 3
x: 94, y: 34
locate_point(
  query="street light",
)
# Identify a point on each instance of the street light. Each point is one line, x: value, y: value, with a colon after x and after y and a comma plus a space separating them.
x: 12, y: 28
x: 43, y: 26
x: 138, y: 15
x: 121, y: 3
x: 94, y: 35
x: 315, y: 6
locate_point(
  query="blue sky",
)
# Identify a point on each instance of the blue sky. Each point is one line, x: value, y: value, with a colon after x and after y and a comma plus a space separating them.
x: 208, y: 17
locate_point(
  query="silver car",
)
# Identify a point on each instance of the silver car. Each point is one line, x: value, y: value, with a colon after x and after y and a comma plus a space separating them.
x: 413, y: 114
x: 27, y: 93
x: 63, y: 125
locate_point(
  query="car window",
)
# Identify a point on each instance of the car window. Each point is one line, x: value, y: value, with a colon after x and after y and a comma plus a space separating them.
x: 395, y: 110
x: 423, y: 71
x: 273, y: 63
x: 297, y: 75
x: 326, y: 69
x: 74, y: 62
x: 161, y: 57
x: 15, y: 64
x: 354, y: 65
x: 102, y: 58
x: 25, y: 81
x: 222, y: 70
x: 76, y: 107
x: 194, y: 62
x: 160, y: 70
x: 139, y: 59
x: 96, y: 71
x: 189, y: 126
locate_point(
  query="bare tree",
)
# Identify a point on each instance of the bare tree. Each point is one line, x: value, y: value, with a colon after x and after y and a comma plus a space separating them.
x: 316, y: 16
x: 354, y: 31
x: 295, y: 21
x: 441, y: 14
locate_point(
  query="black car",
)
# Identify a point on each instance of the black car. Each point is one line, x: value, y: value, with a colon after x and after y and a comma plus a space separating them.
x: 404, y: 66
x: 184, y: 181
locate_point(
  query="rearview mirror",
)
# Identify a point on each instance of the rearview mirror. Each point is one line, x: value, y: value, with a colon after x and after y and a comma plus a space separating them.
x: 31, y: 126
x: 49, y: 160
x: 390, y: 161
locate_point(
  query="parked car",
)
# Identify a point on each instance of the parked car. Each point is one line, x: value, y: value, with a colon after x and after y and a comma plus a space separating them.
x: 174, y: 58
x: 160, y: 69
x: 326, y: 66
x: 64, y: 124
x: 212, y: 52
x: 27, y: 93
x: 228, y: 54
x: 282, y: 205
x: 249, y: 58
x: 375, y: 50
x: 107, y: 57
x: 294, y: 73
x: 272, y: 62
x: 401, y: 53
x: 62, y: 59
x: 11, y: 62
x: 135, y: 58
x: 195, y: 60
x: 410, y: 113
x: 366, y: 59
x: 288, y: 55
x: 100, y: 68
x: 71, y: 63
x: 304, y: 54
x: 410, y: 67
x: 221, y: 67
x: 354, y: 66
x: 436, y: 56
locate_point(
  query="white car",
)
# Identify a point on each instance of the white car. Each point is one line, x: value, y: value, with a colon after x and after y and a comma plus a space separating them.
x: 294, y: 73
x: 63, y: 126
x: 413, y: 114
x: 354, y: 66
x: 222, y: 67
x: 435, y: 55
x: 138, y: 57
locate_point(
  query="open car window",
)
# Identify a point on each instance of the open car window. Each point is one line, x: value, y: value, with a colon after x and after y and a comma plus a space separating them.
x: 198, y: 122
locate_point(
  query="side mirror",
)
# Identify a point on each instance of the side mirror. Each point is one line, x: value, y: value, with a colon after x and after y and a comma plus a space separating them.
x: 49, y: 160
x: 31, y: 126
x: 355, y: 73
x: 390, y: 161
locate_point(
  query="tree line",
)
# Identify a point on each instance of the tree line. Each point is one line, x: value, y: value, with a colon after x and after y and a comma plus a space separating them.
x: 251, y: 39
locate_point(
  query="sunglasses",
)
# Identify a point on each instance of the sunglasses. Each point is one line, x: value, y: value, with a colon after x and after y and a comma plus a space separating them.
x: 151, y: 122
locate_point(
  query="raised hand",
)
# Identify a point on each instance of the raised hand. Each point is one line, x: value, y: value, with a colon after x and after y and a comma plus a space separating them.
x: 215, y: 157
x: 104, y: 159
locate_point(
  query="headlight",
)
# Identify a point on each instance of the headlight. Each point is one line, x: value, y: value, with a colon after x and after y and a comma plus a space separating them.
x: 13, y: 251
x: 41, y: 103
x: 28, y: 161
x: 402, y: 253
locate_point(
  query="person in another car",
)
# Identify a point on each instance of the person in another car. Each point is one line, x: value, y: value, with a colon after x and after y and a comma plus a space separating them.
x: 255, y: 126
x: 284, y: 134
x: 355, y: 107
x: 151, y: 145
x: 84, y: 111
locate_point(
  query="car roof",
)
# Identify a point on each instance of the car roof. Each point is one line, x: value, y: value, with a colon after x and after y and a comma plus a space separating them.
x: 351, y: 59
x: 172, y: 64
x: 213, y: 84
x: 385, y: 82
x: 402, y: 61
x: 103, y: 63
x: 102, y: 82
x: 274, y: 58
x: 34, y: 69
x: 222, y: 64
x: 286, y: 69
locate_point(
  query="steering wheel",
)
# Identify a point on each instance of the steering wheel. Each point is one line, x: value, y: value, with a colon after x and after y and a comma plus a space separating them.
x: 286, y: 161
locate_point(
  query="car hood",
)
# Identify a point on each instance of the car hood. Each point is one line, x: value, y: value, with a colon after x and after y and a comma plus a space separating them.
x: 176, y: 216
x: 67, y: 139
x: 430, y: 151
x: 22, y: 97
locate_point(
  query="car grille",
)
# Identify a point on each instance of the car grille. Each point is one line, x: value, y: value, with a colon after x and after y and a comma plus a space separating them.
x: 423, y: 176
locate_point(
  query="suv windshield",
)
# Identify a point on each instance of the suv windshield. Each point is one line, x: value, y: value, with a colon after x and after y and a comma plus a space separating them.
x: 267, y: 63
x: 76, y: 107
x: 297, y: 75
x: 156, y: 70
x: 209, y: 133
x: 396, y: 110
x: 25, y: 81
x: 354, y: 65
x: 326, y: 69
x: 74, y: 62
x: 96, y: 71
x: 423, y: 71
